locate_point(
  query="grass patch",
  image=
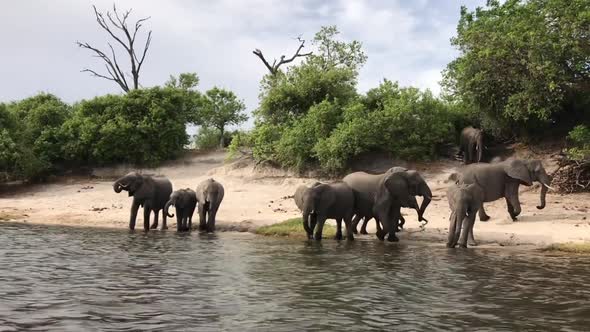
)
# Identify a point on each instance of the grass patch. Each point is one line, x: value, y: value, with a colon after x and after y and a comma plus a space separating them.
x: 578, y: 248
x: 5, y: 216
x: 292, y: 228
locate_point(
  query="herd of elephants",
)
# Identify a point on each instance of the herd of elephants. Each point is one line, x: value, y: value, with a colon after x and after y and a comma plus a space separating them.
x: 359, y: 195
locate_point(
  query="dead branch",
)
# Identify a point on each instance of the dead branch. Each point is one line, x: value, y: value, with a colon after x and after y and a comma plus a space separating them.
x: 115, y: 24
x: 273, y: 69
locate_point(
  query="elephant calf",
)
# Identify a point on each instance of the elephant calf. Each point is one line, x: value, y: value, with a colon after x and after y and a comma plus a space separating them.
x: 464, y: 202
x: 149, y: 192
x: 185, y: 201
x: 209, y: 196
x: 326, y: 201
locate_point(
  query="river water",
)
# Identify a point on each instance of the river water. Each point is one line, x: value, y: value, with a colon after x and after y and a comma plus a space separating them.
x: 82, y: 279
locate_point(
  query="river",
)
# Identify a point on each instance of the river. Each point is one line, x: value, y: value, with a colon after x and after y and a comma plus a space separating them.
x: 84, y: 279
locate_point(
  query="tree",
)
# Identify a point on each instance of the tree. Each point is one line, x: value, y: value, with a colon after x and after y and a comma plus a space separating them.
x: 115, y: 24
x: 222, y: 108
x: 522, y: 63
x: 185, y: 81
x: 274, y: 68
x: 335, y: 53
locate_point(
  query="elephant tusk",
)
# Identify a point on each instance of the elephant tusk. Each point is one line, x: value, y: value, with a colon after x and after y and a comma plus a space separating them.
x: 551, y: 188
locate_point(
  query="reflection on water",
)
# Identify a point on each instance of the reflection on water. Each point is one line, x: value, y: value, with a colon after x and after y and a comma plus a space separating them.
x: 67, y: 279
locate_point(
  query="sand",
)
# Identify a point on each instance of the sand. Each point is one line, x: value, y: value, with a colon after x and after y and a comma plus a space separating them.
x: 256, y: 196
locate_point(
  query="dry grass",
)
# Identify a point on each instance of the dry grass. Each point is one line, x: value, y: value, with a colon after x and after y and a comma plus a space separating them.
x: 578, y: 248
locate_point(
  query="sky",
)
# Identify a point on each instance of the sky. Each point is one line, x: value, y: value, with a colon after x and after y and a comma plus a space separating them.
x: 405, y: 41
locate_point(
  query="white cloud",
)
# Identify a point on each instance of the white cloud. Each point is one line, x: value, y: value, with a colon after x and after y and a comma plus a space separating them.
x: 405, y: 41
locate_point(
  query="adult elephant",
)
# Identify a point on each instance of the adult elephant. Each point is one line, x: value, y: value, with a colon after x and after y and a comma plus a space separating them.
x: 365, y: 187
x: 209, y: 196
x: 147, y: 191
x: 326, y: 201
x: 185, y: 202
x: 502, y: 179
x: 397, y: 188
x: 471, y: 144
x: 464, y: 201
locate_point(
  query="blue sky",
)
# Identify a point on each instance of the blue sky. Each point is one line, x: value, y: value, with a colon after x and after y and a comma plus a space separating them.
x: 407, y: 41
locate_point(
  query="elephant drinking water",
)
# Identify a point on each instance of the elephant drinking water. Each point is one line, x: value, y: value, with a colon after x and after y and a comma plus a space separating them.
x: 185, y: 201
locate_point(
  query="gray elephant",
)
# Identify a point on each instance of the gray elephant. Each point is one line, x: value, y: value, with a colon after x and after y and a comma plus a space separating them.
x: 471, y: 144
x: 150, y: 192
x: 396, y: 189
x: 502, y: 179
x: 464, y: 201
x: 365, y: 187
x: 185, y: 202
x: 209, y: 196
x: 326, y: 201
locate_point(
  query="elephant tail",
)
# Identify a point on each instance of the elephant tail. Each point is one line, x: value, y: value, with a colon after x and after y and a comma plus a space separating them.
x: 166, y: 208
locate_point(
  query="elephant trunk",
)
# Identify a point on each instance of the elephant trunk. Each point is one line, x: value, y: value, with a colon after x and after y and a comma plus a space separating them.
x: 167, y: 207
x: 545, y: 181
x: 426, y: 194
x: 479, y: 148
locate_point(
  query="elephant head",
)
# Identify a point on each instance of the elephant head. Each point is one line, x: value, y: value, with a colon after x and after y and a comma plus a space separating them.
x: 528, y: 171
x: 133, y: 183
x: 479, y: 144
x: 419, y: 187
x: 178, y: 199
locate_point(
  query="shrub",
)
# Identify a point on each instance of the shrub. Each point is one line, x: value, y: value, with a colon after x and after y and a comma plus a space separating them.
x: 580, y: 138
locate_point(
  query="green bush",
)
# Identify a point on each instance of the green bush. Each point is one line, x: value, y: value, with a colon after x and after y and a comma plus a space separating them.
x: 207, y: 138
x: 580, y: 137
x: 142, y: 127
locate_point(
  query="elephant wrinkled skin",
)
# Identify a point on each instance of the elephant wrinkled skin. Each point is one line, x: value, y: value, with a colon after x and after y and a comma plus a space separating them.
x: 150, y: 192
x: 324, y: 201
x: 464, y: 202
x: 185, y: 202
x: 209, y: 196
x: 502, y: 179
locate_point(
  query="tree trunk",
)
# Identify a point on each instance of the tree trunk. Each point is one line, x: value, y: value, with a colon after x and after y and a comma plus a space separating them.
x: 221, y: 139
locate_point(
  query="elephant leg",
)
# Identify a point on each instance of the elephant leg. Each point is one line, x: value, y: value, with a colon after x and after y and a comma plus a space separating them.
x: 190, y: 222
x: 338, y: 229
x: 147, y: 210
x: 402, y: 222
x: 393, y: 225
x: 306, y: 221
x: 155, y: 223
x: 512, y: 201
x: 202, y: 219
x: 483, y: 216
x: 378, y: 225
x: 133, y: 215
x: 178, y: 221
x: 364, y: 226
x: 463, y: 228
x: 320, y: 227
x: 164, y: 221
x: 471, y: 239
x: 452, y: 226
x: 211, y: 221
x: 355, y: 222
x: 349, y: 229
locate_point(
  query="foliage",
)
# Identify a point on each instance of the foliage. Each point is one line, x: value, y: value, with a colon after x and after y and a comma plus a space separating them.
x: 184, y: 81
x: 570, y: 247
x: 240, y: 141
x: 221, y: 108
x: 521, y: 62
x: 292, y: 228
x: 143, y: 127
x: 208, y: 138
x: 580, y: 138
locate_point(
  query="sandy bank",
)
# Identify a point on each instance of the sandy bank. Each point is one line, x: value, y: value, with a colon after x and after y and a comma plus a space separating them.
x: 260, y: 196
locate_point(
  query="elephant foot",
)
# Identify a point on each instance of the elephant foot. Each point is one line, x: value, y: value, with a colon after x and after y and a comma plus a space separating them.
x: 472, y: 244
x: 154, y: 226
x: 464, y: 245
x: 338, y: 237
x: 380, y: 236
x: 514, y: 218
x: 164, y: 227
x: 484, y: 218
x: 364, y: 231
x: 392, y: 238
x: 350, y: 237
x: 450, y: 245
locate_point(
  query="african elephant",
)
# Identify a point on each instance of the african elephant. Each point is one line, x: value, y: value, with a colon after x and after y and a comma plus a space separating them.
x: 149, y: 192
x: 299, y: 194
x: 209, y: 196
x: 365, y: 188
x: 396, y: 189
x: 471, y: 144
x: 502, y: 179
x: 185, y: 201
x: 326, y: 201
x: 464, y: 201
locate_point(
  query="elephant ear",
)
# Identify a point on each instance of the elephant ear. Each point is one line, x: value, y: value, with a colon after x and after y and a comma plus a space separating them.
x: 327, y: 196
x: 144, y: 187
x: 398, y: 186
x: 517, y: 169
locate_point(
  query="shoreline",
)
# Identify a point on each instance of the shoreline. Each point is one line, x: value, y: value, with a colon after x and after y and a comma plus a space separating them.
x: 259, y: 196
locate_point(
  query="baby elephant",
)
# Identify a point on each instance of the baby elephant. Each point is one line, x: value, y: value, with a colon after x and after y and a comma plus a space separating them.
x: 464, y: 200
x: 209, y: 196
x: 326, y: 201
x: 185, y: 201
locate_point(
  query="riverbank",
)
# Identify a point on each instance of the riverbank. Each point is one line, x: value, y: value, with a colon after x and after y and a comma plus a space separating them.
x: 258, y: 196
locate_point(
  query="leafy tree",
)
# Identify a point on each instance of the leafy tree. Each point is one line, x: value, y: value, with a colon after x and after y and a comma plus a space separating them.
x: 522, y: 62
x: 220, y: 109
x: 186, y: 84
x: 184, y: 81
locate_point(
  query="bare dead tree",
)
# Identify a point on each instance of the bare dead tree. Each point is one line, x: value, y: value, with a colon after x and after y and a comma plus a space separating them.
x: 275, y: 65
x: 116, y: 24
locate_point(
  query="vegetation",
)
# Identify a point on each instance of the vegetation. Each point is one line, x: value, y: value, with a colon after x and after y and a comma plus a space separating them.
x: 292, y: 228
x: 221, y: 108
x: 570, y: 247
